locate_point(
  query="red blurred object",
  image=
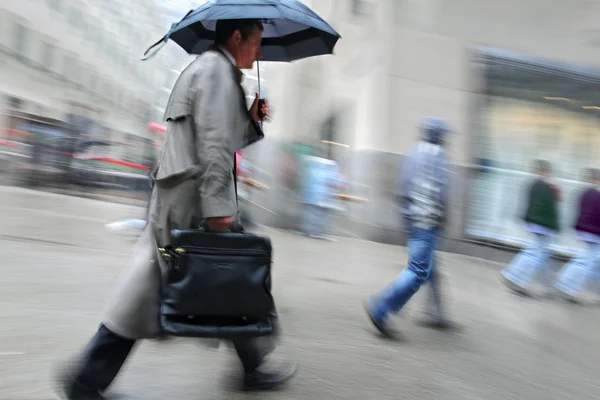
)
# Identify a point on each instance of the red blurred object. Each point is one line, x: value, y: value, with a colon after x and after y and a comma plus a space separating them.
x: 238, y: 159
x: 121, y: 162
x: 153, y: 126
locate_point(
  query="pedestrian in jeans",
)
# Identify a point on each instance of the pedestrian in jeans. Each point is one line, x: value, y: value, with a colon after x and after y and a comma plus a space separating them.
x: 541, y: 219
x: 322, y: 184
x: 435, y: 314
x: 584, y: 268
x: 423, y: 194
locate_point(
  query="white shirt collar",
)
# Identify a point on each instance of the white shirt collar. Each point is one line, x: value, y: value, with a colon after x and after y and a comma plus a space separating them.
x: 228, y: 55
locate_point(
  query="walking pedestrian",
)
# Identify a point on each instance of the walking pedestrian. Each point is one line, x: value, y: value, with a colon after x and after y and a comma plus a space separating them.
x: 423, y: 197
x: 194, y: 184
x: 323, y: 182
x: 541, y: 219
x: 585, y: 267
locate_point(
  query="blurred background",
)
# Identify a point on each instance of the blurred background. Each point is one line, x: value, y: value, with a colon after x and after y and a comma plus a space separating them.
x: 81, y: 117
x: 81, y: 114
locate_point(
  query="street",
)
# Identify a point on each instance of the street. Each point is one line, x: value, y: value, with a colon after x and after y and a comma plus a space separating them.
x: 59, y: 264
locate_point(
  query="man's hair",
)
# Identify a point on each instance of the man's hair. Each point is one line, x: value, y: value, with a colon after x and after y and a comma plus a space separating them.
x: 542, y: 166
x: 226, y: 27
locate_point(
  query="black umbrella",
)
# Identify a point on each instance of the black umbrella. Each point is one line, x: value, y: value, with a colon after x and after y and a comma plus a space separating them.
x: 292, y: 30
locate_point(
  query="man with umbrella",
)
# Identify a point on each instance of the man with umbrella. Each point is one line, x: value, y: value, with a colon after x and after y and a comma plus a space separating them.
x: 207, y: 122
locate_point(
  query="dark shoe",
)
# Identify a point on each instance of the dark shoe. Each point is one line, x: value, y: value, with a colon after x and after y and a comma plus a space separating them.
x: 67, y: 389
x: 262, y: 380
x: 382, y: 327
x: 437, y: 323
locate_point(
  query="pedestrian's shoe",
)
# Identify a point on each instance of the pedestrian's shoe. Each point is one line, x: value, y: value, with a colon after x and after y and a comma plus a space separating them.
x: 518, y: 289
x: 569, y: 298
x: 382, y: 327
x: 328, y: 238
x: 438, y: 323
x: 264, y: 380
x: 321, y: 236
x: 67, y: 389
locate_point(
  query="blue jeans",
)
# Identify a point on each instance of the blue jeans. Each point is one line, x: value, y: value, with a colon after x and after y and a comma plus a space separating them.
x: 421, y: 250
x: 579, y: 271
x: 434, y: 299
x: 315, y: 220
x: 530, y: 263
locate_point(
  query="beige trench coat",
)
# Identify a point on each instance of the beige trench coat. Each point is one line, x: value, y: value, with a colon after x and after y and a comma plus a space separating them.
x: 207, y: 122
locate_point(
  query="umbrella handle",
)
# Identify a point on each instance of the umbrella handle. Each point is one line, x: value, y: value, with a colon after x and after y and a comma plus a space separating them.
x: 260, y: 101
x: 258, y: 77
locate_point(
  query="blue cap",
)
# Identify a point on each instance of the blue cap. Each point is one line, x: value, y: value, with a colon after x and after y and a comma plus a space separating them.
x: 433, y: 129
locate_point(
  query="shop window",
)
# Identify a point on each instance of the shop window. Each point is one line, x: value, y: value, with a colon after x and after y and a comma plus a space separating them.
x: 90, y: 32
x: 108, y: 91
x: 15, y: 103
x: 83, y: 76
x: 47, y: 55
x: 71, y: 68
x: 358, y: 8
x: 21, y: 40
x: 531, y: 110
x: 54, y: 5
x: 77, y: 19
x: 92, y: 82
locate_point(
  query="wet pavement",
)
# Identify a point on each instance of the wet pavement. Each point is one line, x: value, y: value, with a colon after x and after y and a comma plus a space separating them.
x: 59, y: 264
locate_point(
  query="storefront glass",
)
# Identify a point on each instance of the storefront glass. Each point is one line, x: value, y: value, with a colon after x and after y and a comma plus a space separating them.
x: 527, y: 115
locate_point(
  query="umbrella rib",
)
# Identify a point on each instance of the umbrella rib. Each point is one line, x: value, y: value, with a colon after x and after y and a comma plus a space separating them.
x: 285, y: 49
x: 280, y: 35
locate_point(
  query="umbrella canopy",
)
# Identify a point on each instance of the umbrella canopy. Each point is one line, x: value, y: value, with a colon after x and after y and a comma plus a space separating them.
x: 292, y: 31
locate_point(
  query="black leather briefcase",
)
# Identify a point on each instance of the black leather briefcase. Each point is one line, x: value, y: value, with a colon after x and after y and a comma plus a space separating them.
x: 218, y: 285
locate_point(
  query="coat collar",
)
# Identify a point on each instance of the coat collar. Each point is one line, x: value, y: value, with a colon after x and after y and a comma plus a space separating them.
x: 228, y: 55
x: 236, y: 71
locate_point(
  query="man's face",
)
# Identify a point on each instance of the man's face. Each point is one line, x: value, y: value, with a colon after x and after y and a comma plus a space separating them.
x: 248, y: 50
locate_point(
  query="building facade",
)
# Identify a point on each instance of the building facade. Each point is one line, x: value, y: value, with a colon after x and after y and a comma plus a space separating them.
x: 68, y: 60
x: 515, y: 79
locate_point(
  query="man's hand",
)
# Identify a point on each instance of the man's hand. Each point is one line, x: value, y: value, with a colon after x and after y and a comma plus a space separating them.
x: 219, y: 224
x: 264, y: 109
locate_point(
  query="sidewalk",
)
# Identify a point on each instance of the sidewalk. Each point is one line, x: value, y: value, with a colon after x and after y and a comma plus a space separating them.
x: 59, y: 264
